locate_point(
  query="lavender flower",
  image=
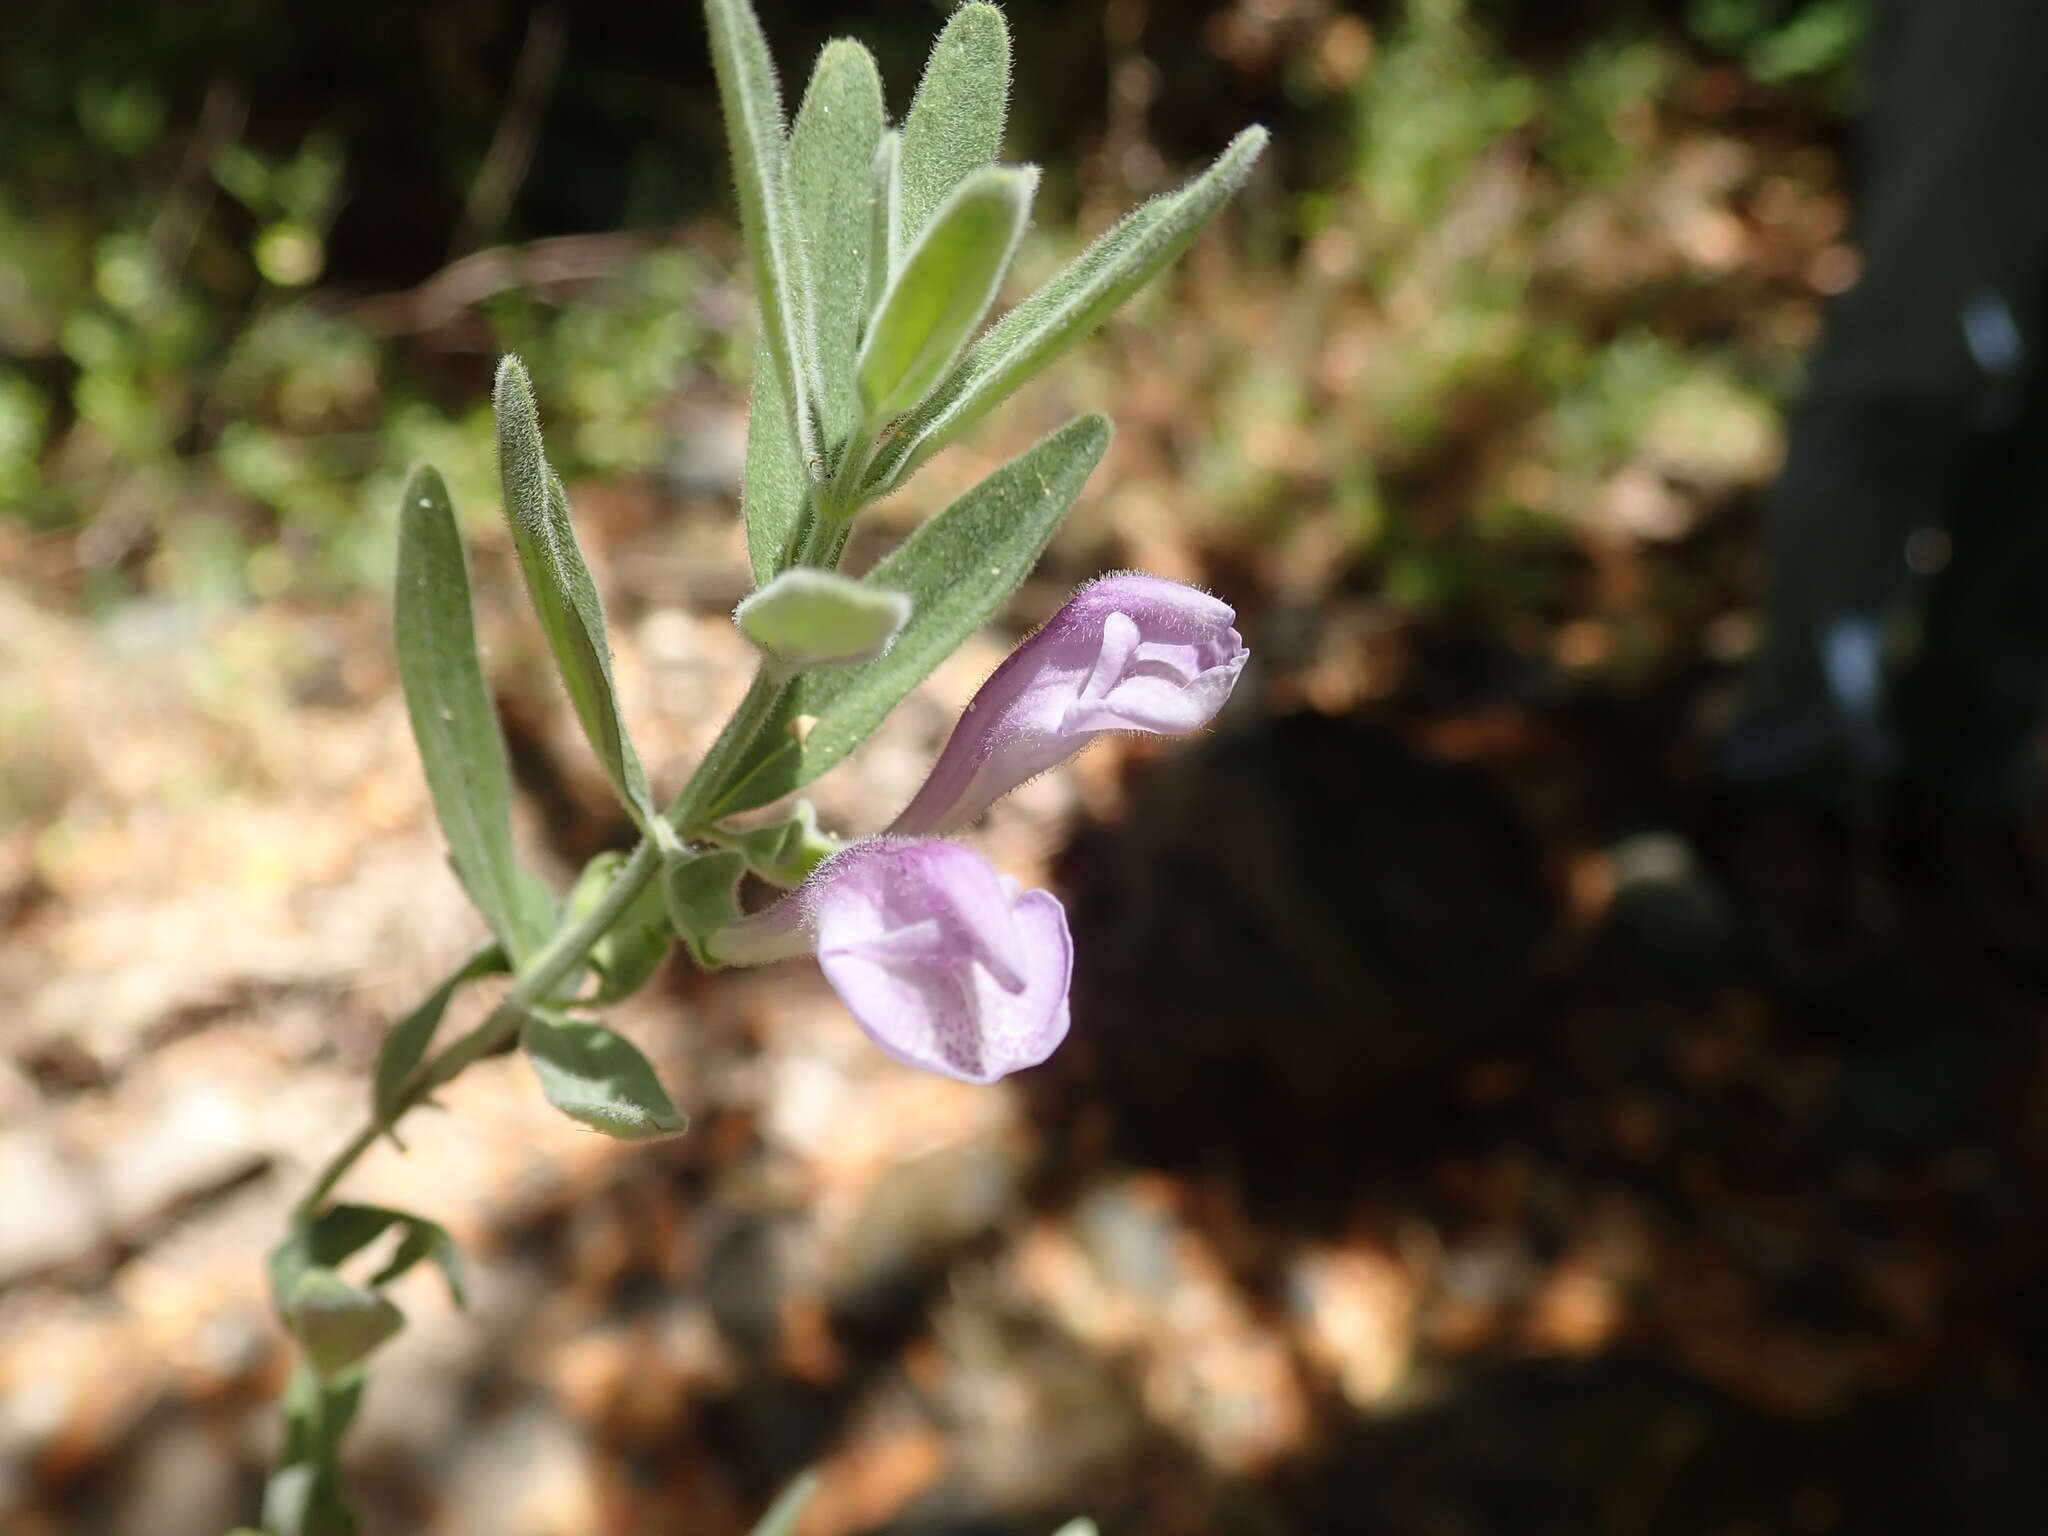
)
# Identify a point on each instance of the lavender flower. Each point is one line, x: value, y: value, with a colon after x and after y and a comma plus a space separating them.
x: 945, y: 963
x: 1127, y: 652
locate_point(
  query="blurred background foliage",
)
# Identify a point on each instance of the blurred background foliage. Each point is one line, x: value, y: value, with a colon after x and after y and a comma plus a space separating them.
x: 254, y: 261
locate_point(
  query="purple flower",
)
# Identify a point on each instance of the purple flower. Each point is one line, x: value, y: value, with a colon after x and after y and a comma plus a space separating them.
x: 1128, y: 652
x: 943, y: 962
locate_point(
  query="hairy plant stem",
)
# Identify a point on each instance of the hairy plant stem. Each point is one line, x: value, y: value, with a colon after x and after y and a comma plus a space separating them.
x: 564, y: 954
x: 835, y: 503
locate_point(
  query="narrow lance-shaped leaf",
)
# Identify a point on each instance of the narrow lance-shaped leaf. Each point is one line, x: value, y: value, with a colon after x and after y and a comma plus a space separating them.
x: 598, y: 1077
x: 754, y: 129
x: 558, y: 581
x: 405, y: 1047
x: 957, y: 570
x: 1078, y: 299
x: 831, y: 158
x: 955, y: 122
x: 772, y: 495
x: 886, y: 243
x: 943, y: 288
x: 453, y: 722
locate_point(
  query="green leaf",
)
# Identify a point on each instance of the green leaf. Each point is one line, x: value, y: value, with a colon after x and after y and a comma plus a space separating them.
x: 831, y: 159
x: 630, y: 952
x: 754, y: 127
x: 341, y: 1231
x: 1081, y: 1527
x: 564, y: 596
x: 957, y: 570
x: 599, y: 1077
x: 702, y: 894
x: 789, y: 1507
x: 942, y: 290
x: 453, y: 721
x: 886, y: 241
x: 317, y: 1413
x: 955, y: 123
x: 405, y: 1046
x: 810, y: 618
x: 337, y: 1323
x: 772, y: 495
x: 426, y: 1240
x: 1073, y: 303
x: 785, y: 853
x: 304, y: 1499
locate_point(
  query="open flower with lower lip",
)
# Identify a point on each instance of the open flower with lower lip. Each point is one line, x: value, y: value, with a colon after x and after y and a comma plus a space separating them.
x: 944, y: 962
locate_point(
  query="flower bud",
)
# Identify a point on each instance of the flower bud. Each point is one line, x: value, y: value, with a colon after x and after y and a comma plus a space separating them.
x: 1128, y: 652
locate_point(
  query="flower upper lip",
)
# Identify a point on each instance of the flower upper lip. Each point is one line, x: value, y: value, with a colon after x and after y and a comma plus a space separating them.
x: 1127, y: 652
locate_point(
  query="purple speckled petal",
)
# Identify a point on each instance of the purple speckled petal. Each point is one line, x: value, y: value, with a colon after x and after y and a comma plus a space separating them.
x: 1126, y: 653
x: 939, y: 960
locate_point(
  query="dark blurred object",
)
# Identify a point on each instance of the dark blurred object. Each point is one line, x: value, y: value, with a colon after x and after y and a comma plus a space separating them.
x: 1306, y: 914
x: 1909, y: 548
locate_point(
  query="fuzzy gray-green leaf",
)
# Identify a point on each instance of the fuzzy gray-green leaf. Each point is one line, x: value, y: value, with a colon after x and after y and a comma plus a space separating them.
x: 808, y: 617
x: 342, y: 1231
x: 627, y: 957
x: 405, y: 1046
x: 628, y: 953
x: 453, y: 722
x: 943, y: 288
x: 1079, y: 298
x: 831, y: 161
x: 599, y: 1077
x: 336, y: 1322
x: 558, y: 581
x: 701, y: 893
x: 957, y: 570
x: 886, y: 242
x: 754, y: 132
x: 955, y: 122
x: 772, y: 496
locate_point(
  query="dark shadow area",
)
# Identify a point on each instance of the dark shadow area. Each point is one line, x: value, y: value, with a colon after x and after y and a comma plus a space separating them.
x: 1349, y: 988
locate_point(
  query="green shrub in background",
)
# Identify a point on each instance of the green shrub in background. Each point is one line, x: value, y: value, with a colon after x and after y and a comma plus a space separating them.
x: 1525, y: 314
x: 176, y: 381
x: 192, y: 397
x: 1785, y: 40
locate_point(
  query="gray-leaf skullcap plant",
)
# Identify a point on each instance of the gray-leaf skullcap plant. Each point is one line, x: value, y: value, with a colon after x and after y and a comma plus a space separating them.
x: 879, y: 256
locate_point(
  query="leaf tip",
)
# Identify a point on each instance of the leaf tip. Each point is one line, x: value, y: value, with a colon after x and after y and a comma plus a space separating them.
x: 512, y: 388
x: 847, y: 53
x: 985, y: 17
